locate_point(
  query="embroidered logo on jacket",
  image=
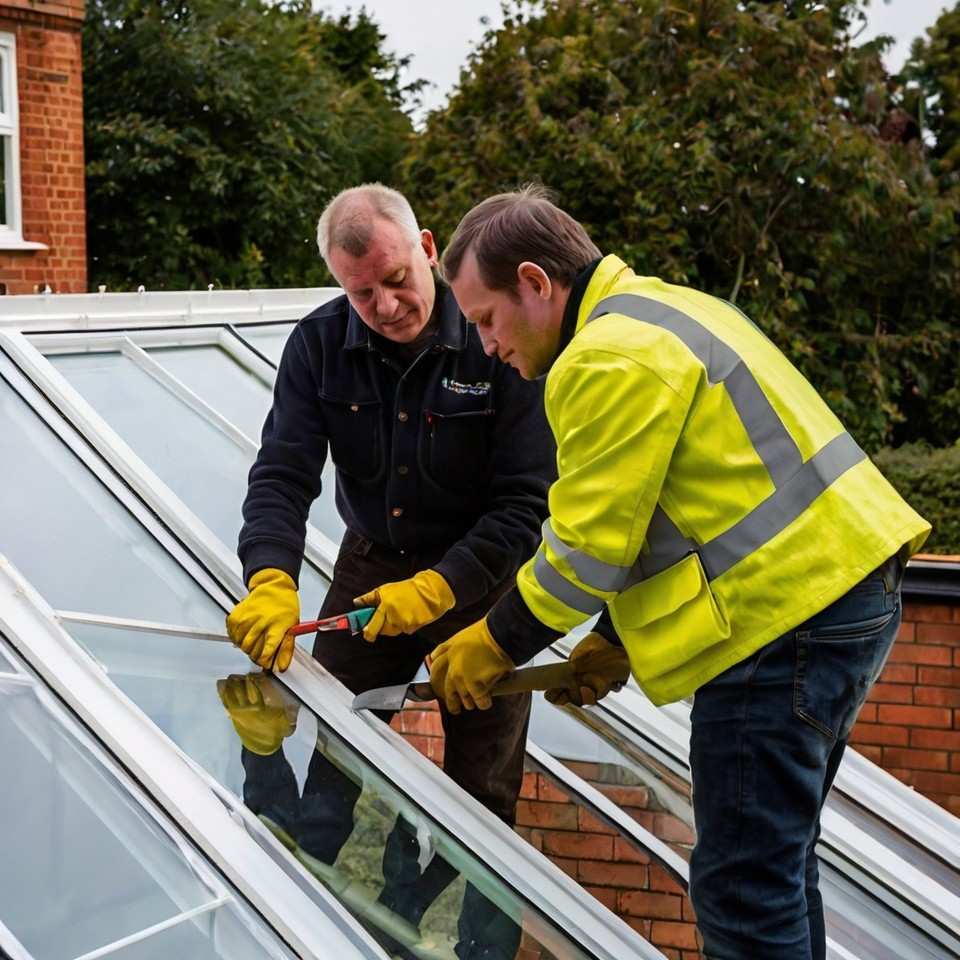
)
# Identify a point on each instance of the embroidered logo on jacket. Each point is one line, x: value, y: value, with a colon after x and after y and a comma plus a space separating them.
x: 479, y: 389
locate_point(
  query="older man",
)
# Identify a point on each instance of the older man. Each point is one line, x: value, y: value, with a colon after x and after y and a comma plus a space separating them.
x: 443, y: 459
x: 726, y: 527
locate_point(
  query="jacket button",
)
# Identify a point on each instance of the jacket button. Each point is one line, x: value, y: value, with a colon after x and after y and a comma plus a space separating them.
x: 403, y: 470
x: 354, y: 407
x: 403, y: 416
x: 397, y: 512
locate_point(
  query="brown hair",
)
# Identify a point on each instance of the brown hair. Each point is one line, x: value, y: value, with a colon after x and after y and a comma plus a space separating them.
x: 505, y: 230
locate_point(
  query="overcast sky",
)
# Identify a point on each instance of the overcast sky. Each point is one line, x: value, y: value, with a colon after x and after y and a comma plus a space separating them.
x: 440, y: 33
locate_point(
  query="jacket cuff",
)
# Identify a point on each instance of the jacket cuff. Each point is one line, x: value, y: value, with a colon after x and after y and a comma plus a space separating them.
x: 604, y: 626
x: 260, y: 556
x: 464, y: 577
x: 518, y: 633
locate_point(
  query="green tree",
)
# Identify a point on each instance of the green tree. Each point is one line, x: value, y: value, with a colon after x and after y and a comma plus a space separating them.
x: 734, y: 147
x: 217, y: 129
x: 934, y: 71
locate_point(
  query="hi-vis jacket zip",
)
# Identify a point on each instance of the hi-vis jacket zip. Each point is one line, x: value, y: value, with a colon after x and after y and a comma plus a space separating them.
x: 705, y: 491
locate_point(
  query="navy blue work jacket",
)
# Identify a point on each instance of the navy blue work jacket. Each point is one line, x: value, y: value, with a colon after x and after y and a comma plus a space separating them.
x: 444, y: 454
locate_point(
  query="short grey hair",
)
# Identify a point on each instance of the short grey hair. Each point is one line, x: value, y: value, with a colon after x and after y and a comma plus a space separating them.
x: 348, y: 219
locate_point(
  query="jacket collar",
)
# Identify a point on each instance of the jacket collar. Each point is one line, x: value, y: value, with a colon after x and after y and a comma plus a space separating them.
x: 451, y: 335
x: 607, y: 274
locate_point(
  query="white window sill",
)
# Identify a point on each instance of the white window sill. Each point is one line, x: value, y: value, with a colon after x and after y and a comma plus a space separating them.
x: 16, y: 243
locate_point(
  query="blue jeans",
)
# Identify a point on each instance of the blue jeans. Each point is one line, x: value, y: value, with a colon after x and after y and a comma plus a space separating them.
x: 766, y: 741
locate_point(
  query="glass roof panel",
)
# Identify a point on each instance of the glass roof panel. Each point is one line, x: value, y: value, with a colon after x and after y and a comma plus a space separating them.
x: 85, y: 864
x: 413, y: 885
x: 203, y: 466
x: 71, y: 538
x: 269, y: 338
x: 243, y: 398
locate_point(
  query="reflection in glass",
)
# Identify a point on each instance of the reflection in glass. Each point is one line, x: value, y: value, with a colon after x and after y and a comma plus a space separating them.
x: 85, y: 865
x: 235, y: 393
x: 204, y: 467
x: 418, y: 891
x: 74, y: 542
x: 4, y: 167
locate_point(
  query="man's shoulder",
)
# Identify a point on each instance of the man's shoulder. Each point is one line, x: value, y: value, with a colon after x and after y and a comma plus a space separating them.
x: 329, y: 314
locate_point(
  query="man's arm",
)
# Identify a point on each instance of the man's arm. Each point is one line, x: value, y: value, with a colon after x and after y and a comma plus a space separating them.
x: 617, y: 425
x: 524, y: 466
x: 285, y: 479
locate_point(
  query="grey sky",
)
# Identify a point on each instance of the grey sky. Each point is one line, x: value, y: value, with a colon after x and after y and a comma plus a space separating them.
x: 440, y: 33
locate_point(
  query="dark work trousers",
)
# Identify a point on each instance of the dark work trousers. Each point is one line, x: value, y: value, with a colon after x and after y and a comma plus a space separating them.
x: 484, y: 753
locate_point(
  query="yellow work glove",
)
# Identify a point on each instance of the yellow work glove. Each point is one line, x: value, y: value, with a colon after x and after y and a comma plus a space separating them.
x: 258, y: 624
x: 598, y: 667
x: 465, y: 668
x: 406, y: 605
x: 262, y: 713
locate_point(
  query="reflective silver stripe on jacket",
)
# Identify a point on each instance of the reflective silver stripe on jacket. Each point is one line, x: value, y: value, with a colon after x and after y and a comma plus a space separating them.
x: 797, y: 484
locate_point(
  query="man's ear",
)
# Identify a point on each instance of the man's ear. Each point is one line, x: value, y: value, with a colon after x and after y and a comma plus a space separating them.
x: 536, y: 277
x: 429, y: 246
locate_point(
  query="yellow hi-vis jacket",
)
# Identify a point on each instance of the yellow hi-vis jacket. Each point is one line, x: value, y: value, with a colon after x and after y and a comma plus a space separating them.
x: 706, y: 493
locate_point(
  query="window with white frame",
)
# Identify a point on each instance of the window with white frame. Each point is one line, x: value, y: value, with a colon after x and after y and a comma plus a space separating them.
x: 10, y: 226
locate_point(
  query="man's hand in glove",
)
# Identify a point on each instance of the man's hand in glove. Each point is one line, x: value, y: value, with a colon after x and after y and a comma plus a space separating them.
x: 258, y: 624
x: 598, y: 666
x: 465, y: 668
x: 406, y: 605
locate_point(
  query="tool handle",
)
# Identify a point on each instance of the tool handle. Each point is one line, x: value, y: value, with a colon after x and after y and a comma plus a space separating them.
x: 536, y: 678
x: 357, y: 620
x: 308, y: 626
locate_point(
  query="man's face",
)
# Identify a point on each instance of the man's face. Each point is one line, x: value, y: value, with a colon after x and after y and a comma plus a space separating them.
x: 522, y: 330
x: 391, y: 286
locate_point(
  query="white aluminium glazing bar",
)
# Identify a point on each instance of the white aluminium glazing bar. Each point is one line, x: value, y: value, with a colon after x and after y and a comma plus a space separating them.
x: 80, y: 311
x: 144, y: 626
x: 11, y: 945
x: 151, y: 931
x: 139, y: 745
x: 231, y: 341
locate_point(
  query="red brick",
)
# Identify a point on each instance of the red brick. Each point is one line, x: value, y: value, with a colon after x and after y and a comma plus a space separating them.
x: 939, y: 633
x: 606, y: 895
x: 868, y: 713
x: 662, y: 881
x: 528, y: 790
x: 936, y: 677
x: 671, y: 829
x: 666, y: 934
x: 549, y: 816
x: 588, y: 771
x: 907, y: 632
x: 928, y: 780
x: 626, y: 852
x: 652, y: 906
x: 892, y: 693
x: 916, y: 716
x: 567, y: 865
x: 921, y: 653
x: 640, y: 925
x: 956, y: 657
x: 602, y: 873
x: 588, y: 823
x: 873, y: 753
x: 928, y: 612
x: 582, y: 846
x: 915, y: 759
x: 877, y: 733
x: 627, y: 796
x: 935, y: 739
x: 899, y: 673
x: 548, y: 790
x: 938, y: 696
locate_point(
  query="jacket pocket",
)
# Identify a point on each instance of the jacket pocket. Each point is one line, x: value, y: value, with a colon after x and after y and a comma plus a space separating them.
x: 456, y: 449
x: 355, y: 433
x: 668, y: 619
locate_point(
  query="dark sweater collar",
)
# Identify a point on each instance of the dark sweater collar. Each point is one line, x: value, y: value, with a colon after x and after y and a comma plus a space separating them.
x: 451, y: 332
x: 568, y: 326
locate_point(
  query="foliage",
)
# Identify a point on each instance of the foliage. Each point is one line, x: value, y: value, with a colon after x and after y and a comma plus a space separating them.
x: 934, y: 70
x: 734, y: 147
x: 217, y: 129
x: 929, y: 479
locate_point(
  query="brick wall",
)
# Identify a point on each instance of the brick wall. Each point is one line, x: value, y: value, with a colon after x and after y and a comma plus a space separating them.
x: 911, y: 724
x: 49, y: 84
x: 615, y: 871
